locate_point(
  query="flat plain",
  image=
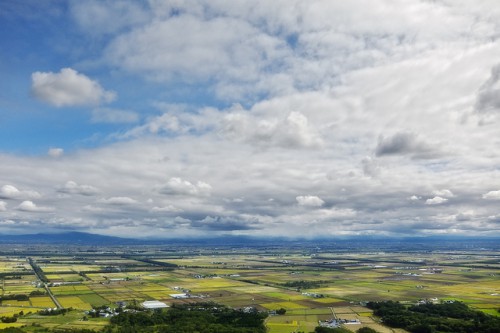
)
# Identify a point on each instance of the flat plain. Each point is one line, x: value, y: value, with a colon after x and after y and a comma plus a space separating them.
x: 312, y: 283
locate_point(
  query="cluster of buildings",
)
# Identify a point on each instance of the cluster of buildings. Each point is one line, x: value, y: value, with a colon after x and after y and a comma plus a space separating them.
x: 335, y: 323
x: 314, y: 295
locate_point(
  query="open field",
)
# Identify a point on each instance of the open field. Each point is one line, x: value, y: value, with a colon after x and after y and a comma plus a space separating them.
x: 310, y: 284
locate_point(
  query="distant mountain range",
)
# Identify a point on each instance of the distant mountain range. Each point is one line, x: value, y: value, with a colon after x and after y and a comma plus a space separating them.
x: 64, y: 238
x: 81, y: 238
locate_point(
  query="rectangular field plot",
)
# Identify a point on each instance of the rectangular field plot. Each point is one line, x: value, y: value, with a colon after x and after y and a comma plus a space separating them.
x: 319, y: 311
x: 305, y: 322
x: 285, y: 305
x: 74, y: 289
x: 9, y: 311
x: 94, y: 299
x: 12, y: 302
x: 74, y: 302
x: 42, y: 302
x: 20, y: 289
x: 286, y: 296
x: 6, y: 325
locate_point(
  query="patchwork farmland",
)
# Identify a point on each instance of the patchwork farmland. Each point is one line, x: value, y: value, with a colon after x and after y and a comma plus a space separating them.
x: 304, y: 285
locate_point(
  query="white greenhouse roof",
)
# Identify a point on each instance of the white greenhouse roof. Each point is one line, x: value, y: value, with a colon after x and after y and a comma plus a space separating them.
x: 154, y: 305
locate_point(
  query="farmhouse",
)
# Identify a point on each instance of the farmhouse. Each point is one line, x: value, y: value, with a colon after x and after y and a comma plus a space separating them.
x: 154, y: 305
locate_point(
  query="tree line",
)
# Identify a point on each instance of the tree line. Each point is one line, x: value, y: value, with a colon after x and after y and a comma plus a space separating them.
x: 452, y: 317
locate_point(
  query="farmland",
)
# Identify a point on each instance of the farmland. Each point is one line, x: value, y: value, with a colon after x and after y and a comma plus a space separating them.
x: 312, y: 282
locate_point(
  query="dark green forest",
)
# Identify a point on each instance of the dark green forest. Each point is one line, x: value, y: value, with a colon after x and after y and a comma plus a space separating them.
x: 200, y: 317
x: 453, y: 317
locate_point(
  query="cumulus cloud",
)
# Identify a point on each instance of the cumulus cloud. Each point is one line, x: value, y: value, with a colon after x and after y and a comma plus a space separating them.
x: 182, y: 220
x: 292, y: 131
x: 12, y: 192
x: 299, y: 124
x: 30, y: 206
x: 72, y: 187
x: 119, y: 201
x: 443, y: 193
x: 179, y: 186
x: 218, y: 223
x: 55, y: 152
x: 3, y: 206
x: 68, y: 88
x: 404, y: 143
x: 166, y: 209
x: 178, y: 119
x: 492, y: 195
x: 309, y: 200
x: 114, y: 116
x: 435, y: 201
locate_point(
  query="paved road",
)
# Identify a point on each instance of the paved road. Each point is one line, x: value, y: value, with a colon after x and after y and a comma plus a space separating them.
x: 51, y: 295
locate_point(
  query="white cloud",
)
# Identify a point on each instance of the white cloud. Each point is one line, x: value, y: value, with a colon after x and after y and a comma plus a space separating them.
x: 443, y: 193
x: 221, y: 48
x: 3, y: 206
x: 114, y: 116
x: 166, y: 209
x: 30, y: 206
x: 292, y: 131
x: 328, y: 95
x: 492, y: 195
x: 55, y: 152
x: 465, y: 216
x: 12, y: 192
x: 181, y: 220
x: 68, y: 88
x: 435, y: 201
x: 370, y: 167
x: 106, y: 17
x: 177, y: 185
x: 119, y: 201
x: 72, y: 187
x: 9, y: 192
x: 309, y: 200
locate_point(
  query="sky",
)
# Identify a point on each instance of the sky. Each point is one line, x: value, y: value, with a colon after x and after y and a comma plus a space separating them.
x: 283, y: 118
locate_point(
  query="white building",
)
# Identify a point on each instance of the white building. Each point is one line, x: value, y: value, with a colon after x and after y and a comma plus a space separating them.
x: 154, y: 305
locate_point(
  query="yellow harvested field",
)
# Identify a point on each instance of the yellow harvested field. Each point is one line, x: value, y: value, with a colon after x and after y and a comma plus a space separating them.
x: 6, y: 325
x: 74, y: 302
x: 328, y: 300
x: 9, y: 311
x: 16, y: 303
x: 285, y: 305
x: 42, y: 302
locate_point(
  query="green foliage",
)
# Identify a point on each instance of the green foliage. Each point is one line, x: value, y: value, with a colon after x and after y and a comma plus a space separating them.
x: 16, y: 297
x: 453, y: 317
x: 11, y: 330
x: 366, y: 330
x: 8, y: 319
x: 281, y: 311
x: 38, y: 293
x: 320, y: 329
x: 302, y: 284
x: 38, y: 271
x: 53, y: 312
x: 200, y: 317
